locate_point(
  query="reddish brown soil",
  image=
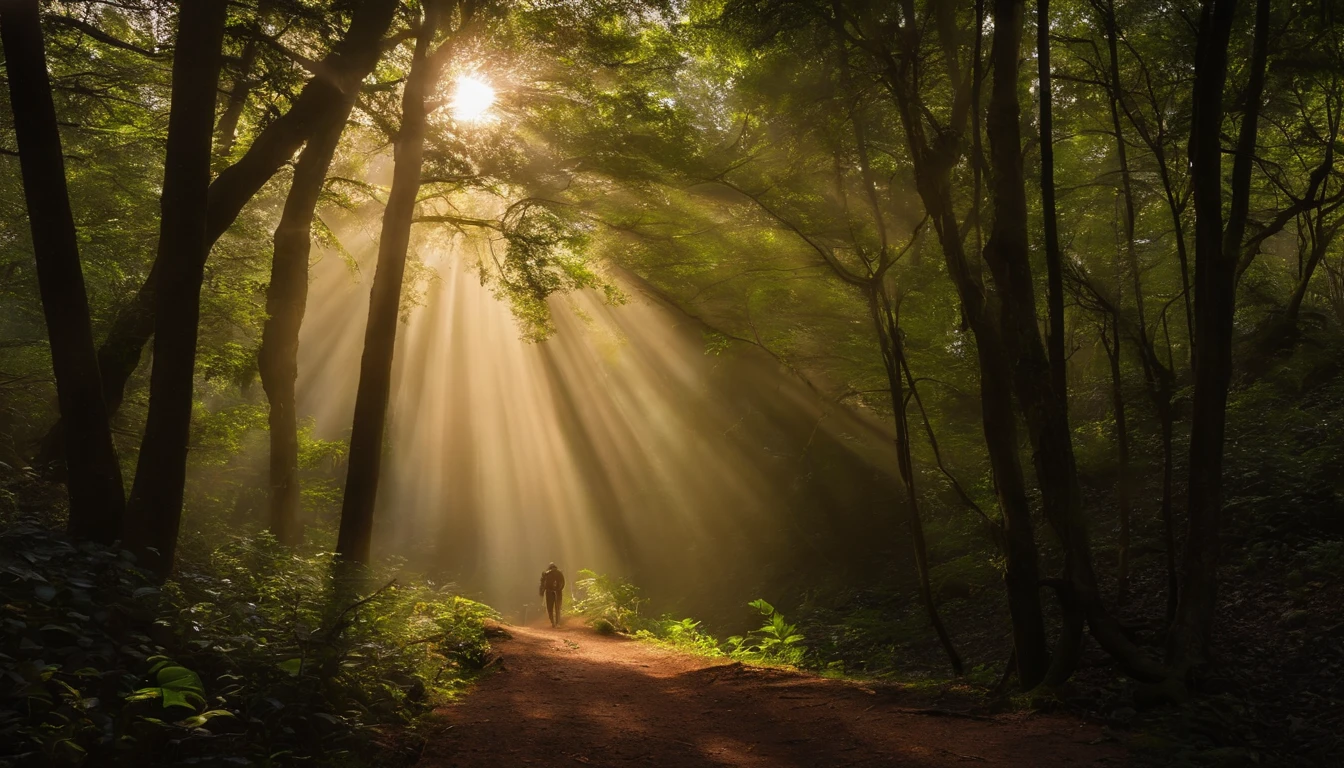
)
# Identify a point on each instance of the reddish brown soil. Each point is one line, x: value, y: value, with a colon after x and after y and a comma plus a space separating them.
x: 571, y: 697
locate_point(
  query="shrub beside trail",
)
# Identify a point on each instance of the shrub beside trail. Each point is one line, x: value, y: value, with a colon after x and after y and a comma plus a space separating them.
x: 252, y: 654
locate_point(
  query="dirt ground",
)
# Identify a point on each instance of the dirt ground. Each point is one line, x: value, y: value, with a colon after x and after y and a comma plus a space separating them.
x: 572, y: 697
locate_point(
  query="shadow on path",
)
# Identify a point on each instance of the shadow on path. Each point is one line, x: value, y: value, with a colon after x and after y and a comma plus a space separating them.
x: 571, y: 697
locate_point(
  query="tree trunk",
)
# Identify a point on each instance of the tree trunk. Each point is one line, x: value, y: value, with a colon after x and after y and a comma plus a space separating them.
x: 341, y: 73
x: 893, y: 356
x: 226, y: 132
x: 1162, y: 400
x: 93, y: 474
x: 286, y: 299
x: 1157, y: 377
x: 1322, y: 236
x: 1112, y: 345
x: 1053, y: 258
x: 380, y: 335
x: 1007, y: 254
x: 154, y: 512
x: 932, y: 180
x: 1216, y: 255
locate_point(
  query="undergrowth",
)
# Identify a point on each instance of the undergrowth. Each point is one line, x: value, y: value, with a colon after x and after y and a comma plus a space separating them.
x: 612, y: 604
x: 253, y: 655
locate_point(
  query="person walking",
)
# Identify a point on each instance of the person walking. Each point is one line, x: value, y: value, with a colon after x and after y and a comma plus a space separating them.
x: 553, y: 588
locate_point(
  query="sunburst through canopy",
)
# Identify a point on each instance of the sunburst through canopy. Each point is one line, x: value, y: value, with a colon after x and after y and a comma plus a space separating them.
x: 471, y: 100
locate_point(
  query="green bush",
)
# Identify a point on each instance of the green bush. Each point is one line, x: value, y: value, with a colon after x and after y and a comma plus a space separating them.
x: 253, y: 654
x: 608, y: 598
x: 776, y: 642
x: 682, y: 634
x: 611, y: 604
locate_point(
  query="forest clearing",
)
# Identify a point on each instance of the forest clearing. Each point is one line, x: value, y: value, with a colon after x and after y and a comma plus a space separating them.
x: 924, y: 381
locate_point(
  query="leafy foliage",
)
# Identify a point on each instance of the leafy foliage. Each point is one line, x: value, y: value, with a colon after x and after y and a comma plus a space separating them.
x: 682, y: 634
x: 254, y: 653
x: 612, y: 603
x: 610, y: 599
x: 776, y: 641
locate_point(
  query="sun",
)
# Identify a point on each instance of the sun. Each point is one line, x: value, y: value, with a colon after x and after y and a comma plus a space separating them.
x: 471, y: 100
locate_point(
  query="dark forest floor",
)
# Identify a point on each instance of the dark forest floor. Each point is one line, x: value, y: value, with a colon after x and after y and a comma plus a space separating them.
x: 574, y: 697
x: 1274, y: 695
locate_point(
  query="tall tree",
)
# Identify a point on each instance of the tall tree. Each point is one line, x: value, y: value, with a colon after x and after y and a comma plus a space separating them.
x: 286, y: 298
x: 1007, y: 252
x: 380, y: 335
x: 1049, y: 209
x: 339, y: 73
x: 93, y: 474
x: 1157, y: 377
x: 154, y: 511
x: 1217, y: 252
x: 934, y: 152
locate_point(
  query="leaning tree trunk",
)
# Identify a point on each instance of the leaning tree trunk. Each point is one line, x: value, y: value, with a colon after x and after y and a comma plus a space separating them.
x: 1322, y: 236
x: 1166, y: 421
x: 893, y: 354
x: 93, y: 475
x: 999, y: 425
x: 154, y: 512
x: 342, y: 71
x: 1006, y: 254
x: 1216, y: 254
x: 380, y: 335
x: 1284, y: 333
x: 226, y: 131
x: 886, y: 326
x: 286, y: 299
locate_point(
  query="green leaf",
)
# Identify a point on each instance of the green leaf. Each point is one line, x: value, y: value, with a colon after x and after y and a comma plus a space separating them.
x: 765, y: 608
x: 180, y: 687
x: 293, y: 666
x: 196, y: 721
x: 144, y: 694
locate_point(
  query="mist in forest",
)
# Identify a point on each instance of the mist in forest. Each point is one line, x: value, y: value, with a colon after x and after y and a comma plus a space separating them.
x: 619, y: 444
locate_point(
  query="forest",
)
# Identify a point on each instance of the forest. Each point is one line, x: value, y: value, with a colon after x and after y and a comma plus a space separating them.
x: 896, y: 382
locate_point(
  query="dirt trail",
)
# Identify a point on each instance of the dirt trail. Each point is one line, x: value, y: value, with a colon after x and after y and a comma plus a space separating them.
x: 571, y: 697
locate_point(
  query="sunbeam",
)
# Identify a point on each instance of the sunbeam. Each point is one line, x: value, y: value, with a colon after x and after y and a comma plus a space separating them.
x: 618, y: 444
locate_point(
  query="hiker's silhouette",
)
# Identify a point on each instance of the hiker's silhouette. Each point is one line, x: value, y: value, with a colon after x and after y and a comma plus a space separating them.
x: 553, y: 589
